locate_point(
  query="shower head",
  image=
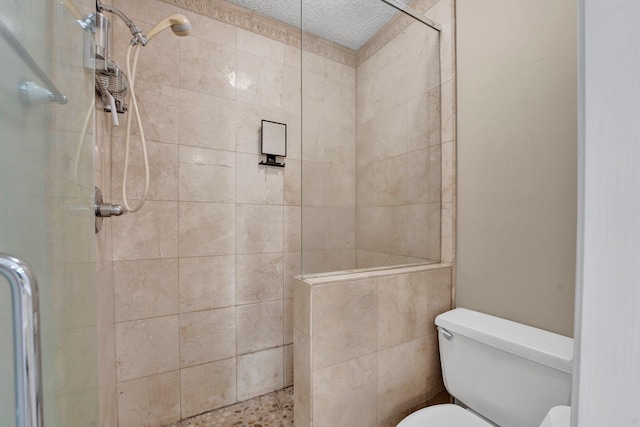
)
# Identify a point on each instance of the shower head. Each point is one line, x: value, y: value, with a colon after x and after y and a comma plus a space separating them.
x: 180, y: 25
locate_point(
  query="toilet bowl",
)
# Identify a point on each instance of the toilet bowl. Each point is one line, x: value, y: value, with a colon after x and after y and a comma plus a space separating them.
x: 507, y: 374
x: 447, y: 415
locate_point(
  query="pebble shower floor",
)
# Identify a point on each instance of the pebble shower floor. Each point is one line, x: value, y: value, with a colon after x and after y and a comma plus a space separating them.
x: 271, y: 410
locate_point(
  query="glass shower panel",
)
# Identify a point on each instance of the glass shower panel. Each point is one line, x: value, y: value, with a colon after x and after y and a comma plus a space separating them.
x: 371, y: 140
x: 46, y: 198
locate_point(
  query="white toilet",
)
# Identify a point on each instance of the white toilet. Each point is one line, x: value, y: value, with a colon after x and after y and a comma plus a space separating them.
x: 504, y: 373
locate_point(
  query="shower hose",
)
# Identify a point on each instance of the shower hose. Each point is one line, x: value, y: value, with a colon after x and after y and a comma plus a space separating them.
x: 131, y: 72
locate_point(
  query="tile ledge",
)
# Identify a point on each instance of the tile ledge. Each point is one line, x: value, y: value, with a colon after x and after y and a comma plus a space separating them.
x: 349, y: 277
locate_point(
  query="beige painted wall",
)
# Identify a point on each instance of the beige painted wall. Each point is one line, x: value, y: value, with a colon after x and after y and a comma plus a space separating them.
x: 517, y: 124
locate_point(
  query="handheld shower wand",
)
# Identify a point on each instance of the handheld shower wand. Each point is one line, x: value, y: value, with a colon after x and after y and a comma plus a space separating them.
x: 180, y: 26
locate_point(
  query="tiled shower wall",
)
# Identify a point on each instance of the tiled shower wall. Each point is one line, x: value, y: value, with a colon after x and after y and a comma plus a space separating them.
x: 329, y: 161
x: 399, y: 149
x: 202, y: 273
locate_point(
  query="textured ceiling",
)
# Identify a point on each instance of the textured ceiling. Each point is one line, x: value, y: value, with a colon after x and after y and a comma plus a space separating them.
x: 347, y: 22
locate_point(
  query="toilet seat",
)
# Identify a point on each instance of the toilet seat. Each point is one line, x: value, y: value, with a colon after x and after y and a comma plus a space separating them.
x: 446, y: 415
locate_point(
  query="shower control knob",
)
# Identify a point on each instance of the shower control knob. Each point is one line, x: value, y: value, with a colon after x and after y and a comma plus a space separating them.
x: 105, y: 210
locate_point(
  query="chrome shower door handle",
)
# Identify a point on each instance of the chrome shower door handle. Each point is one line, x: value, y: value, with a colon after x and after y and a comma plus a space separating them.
x: 26, y: 336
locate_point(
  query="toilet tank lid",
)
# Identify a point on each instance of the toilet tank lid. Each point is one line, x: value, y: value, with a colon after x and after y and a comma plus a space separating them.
x: 544, y: 347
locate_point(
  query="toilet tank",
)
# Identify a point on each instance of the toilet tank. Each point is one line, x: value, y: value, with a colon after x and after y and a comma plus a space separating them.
x: 509, y: 373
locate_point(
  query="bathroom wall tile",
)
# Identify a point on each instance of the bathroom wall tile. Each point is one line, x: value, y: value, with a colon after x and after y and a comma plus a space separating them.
x: 209, y: 386
x: 261, y: 46
x: 292, y: 57
x: 448, y: 173
x: 369, y: 259
x: 385, y: 182
x: 344, y: 323
x: 293, y: 183
x: 313, y: 183
x: 439, y: 293
x: 423, y: 231
x: 207, y: 121
x: 294, y: 134
x: 302, y: 378
x: 424, y: 121
x: 291, y: 89
x: 302, y: 307
x: 149, y: 401
x: 301, y: 420
x: 401, y: 377
x: 163, y: 170
x: 443, y: 12
x: 328, y: 228
x: 345, y: 394
x: 383, y: 91
x: 424, y: 175
x: 340, y: 73
x: 259, y: 277
x: 249, y: 122
x: 259, y: 229
x: 258, y: 184
x: 423, y: 57
x: 312, y: 64
x: 78, y: 346
x: 207, y: 67
x: 207, y: 282
x: 336, y: 141
x: 207, y: 175
x: 329, y: 260
x: 145, y: 10
x: 259, y: 326
x: 288, y: 365
x: 341, y: 228
x: 150, y: 233
x: 146, y: 347
x: 260, y: 373
x: 212, y: 30
x: 340, y: 103
x: 107, y: 381
x: 447, y: 239
x: 206, y: 229
x: 339, y: 185
x: 382, y: 227
x: 77, y: 292
x: 158, y: 105
x: 288, y: 321
x: 145, y: 288
x: 448, y: 119
x: 395, y: 48
x: 384, y: 136
x: 259, y: 80
x: 435, y: 383
x: 292, y: 228
x: 292, y: 268
x: 402, y: 310
x: 207, y: 336
x: 158, y: 60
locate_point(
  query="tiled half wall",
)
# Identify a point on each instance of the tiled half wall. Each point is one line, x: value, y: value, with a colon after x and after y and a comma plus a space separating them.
x: 366, y: 347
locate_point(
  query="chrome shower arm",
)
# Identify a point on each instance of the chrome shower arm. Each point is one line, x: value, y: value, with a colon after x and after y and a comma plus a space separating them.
x: 138, y: 37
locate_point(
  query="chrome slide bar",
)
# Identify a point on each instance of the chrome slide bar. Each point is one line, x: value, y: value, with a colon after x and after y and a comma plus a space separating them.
x: 54, y: 94
x: 26, y: 338
x: 412, y: 12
